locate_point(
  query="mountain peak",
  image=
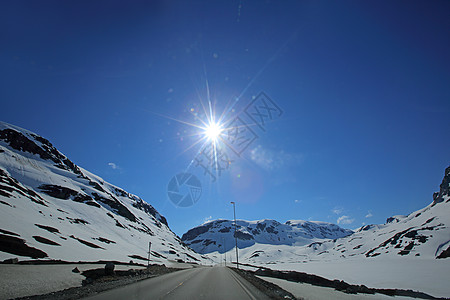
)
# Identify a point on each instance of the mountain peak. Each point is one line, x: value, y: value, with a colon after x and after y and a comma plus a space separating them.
x: 444, y: 191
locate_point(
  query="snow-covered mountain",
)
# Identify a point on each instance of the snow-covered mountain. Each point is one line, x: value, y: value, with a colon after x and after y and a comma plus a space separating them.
x: 218, y: 235
x: 52, y: 209
x: 424, y: 234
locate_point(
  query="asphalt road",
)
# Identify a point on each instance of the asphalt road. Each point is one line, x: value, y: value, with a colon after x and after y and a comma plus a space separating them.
x: 197, y: 283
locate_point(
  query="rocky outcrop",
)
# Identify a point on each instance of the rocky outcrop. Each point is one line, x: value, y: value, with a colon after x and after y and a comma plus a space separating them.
x: 21, y: 142
x: 9, y: 186
x: 444, y: 188
x: 196, y: 231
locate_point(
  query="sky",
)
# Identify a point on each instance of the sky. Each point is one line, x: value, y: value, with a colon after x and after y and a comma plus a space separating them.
x: 359, y: 92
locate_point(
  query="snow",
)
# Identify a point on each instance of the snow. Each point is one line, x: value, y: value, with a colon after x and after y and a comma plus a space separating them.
x: 402, y: 253
x: 27, y: 280
x: 429, y: 276
x: 374, y: 256
x: 77, y: 221
x: 218, y: 235
x: 312, y: 292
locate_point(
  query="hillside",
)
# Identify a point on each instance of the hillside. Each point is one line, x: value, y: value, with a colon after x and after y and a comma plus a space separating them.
x: 218, y: 235
x: 424, y: 234
x: 53, y: 209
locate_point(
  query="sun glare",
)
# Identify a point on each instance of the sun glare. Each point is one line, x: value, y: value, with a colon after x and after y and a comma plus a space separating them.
x: 213, y: 131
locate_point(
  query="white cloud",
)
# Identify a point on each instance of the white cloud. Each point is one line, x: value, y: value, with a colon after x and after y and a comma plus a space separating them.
x: 345, y: 220
x: 369, y: 214
x: 113, y: 166
x: 297, y: 201
x: 207, y: 219
x: 337, y: 210
x: 271, y: 160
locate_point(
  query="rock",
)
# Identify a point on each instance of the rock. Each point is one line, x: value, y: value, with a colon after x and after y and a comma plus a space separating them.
x: 11, y: 261
x: 444, y: 188
x: 109, y: 268
x: 87, y: 281
x: 263, y: 272
x: 76, y: 270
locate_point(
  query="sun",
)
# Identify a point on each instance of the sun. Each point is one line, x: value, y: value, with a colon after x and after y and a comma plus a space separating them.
x: 213, y: 131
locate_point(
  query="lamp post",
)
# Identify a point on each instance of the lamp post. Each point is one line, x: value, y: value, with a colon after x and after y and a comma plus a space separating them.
x: 224, y: 251
x: 235, y: 236
x: 148, y: 260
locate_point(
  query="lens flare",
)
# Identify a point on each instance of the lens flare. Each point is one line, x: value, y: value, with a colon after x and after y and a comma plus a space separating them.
x: 213, y: 131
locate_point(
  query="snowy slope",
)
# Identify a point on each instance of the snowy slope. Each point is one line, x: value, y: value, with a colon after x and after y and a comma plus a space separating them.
x: 52, y: 209
x: 407, y: 252
x: 218, y: 235
x: 424, y: 234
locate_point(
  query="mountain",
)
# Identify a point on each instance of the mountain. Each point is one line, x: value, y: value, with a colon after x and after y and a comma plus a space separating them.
x: 50, y: 208
x: 424, y: 234
x: 218, y: 235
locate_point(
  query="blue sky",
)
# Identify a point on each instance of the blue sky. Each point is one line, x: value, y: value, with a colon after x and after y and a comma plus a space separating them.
x: 363, y: 85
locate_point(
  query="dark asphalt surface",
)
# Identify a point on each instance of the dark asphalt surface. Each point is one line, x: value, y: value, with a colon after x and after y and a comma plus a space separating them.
x: 198, y: 283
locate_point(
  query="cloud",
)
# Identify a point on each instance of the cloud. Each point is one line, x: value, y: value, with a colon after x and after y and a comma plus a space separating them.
x: 271, y: 160
x: 297, y: 201
x: 369, y: 214
x: 345, y: 220
x: 113, y: 166
x: 337, y: 210
x: 207, y: 219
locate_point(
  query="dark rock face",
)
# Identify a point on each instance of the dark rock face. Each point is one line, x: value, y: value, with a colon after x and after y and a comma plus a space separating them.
x: 366, y: 227
x: 63, y: 193
x: 120, y: 192
x: 115, y: 205
x: 89, y: 244
x: 8, y: 185
x: 144, y: 206
x: 104, y: 240
x: 445, y: 253
x: 14, y: 245
x: 243, y: 236
x: 392, y: 220
x: 48, y: 228
x: 96, y: 186
x: 43, y: 240
x: 19, y: 141
x: 194, y: 232
x: 444, y: 188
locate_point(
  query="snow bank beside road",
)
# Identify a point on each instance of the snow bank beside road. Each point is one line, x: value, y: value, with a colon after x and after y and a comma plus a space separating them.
x: 424, y: 275
x: 28, y: 280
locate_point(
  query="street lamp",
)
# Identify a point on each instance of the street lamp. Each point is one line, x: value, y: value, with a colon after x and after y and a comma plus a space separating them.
x: 148, y: 260
x: 235, y: 236
x: 224, y: 251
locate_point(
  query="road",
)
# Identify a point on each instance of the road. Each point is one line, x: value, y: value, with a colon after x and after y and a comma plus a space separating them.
x: 198, y: 283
